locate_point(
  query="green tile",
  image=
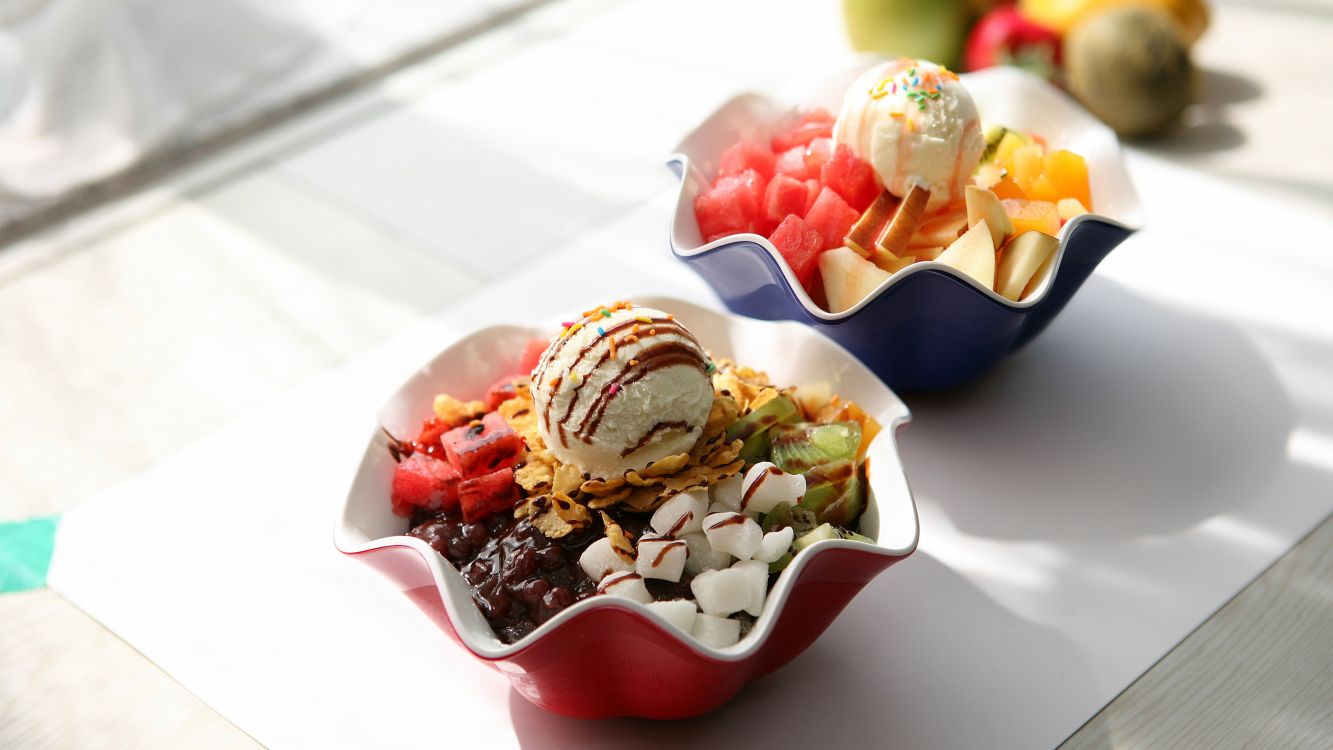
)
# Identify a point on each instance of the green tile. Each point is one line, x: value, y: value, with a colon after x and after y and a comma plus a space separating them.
x: 25, y: 553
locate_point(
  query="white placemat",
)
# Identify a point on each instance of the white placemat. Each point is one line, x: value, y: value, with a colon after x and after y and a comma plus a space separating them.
x: 1083, y: 508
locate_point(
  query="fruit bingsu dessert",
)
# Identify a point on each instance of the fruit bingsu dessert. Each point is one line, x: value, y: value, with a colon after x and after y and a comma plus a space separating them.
x: 622, y: 460
x: 906, y: 172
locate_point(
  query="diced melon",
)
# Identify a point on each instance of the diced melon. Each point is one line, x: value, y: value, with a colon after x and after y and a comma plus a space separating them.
x: 819, y: 151
x: 1026, y: 165
x: 784, y: 195
x: 1008, y: 144
x: 1068, y: 173
x: 731, y: 205
x: 1032, y: 216
x: 800, y: 246
x: 1041, y: 189
x: 831, y: 217
x: 1007, y: 188
x: 746, y: 155
x: 851, y: 178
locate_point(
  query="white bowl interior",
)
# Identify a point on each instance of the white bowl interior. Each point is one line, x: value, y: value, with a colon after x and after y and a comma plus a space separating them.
x: 788, y: 352
x: 1005, y: 95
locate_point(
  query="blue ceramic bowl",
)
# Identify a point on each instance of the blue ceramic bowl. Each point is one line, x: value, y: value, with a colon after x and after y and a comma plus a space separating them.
x: 928, y: 327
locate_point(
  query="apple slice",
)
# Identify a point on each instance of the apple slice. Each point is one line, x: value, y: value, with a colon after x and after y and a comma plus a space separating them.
x: 982, y: 204
x: 1022, y: 257
x: 871, y: 224
x: 927, y: 253
x: 848, y: 277
x: 1068, y: 208
x: 1039, y: 276
x: 890, y: 263
x: 905, y: 220
x: 973, y: 255
x: 941, y: 229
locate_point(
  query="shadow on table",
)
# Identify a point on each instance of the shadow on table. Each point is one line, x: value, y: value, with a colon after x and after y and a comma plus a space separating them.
x: 885, y: 675
x: 1205, y: 127
x: 1127, y: 418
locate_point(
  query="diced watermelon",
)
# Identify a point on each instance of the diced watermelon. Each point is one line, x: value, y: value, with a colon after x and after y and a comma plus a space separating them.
x: 784, y: 196
x: 831, y: 217
x: 420, y: 481
x: 811, y: 125
x: 812, y: 188
x: 532, y: 354
x: 800, y: 245
x: 731, y: 205
x: 503, y: 389
x: 792, y: 163
x: 482, y: 447
x: 819, y: 151
x: 851, y: 178
x: 485, y: 495
x: 746, y: 155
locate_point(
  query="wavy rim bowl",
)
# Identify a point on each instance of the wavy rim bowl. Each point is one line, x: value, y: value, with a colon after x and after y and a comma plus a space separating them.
x: 1005, y: 95
x: 365, y: 509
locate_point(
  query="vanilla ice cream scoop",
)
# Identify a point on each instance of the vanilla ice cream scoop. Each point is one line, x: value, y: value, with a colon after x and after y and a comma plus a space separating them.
x: 916, y: 125
x: 621, y: 387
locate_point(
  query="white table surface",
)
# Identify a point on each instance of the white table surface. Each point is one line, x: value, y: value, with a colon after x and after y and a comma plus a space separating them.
x: 204, y: 298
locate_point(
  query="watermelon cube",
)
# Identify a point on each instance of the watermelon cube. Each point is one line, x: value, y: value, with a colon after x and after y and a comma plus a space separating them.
x: 420, y: 481
x: 792, y: 163
x: 482, y: 447
x: 831, y: 217
x: 487, y: 494
x: 812, y: 188
x: 503, y: 389
x: 809, y: 126
x: 532, y: 354
x: 746, y: 155
x: 819, y: 151
x: 731, y: 206
x: 784, y: 196
x: 800, y: 245
x: 851, y: 178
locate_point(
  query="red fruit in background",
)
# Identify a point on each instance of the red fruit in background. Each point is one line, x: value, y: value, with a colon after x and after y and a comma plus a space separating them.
x: 746, y: 155
x: 487, y: 494
x: 800, y: 245
x: 1004, y: 36
x: 792, y: 163
x: 731, y: 206
x: 483, y: 447
x: 784, y: 196
x: 851, y: 178
x: 420, y: 481
x: 810, y: 125
x: 532, y: 354
x: 831, y: 217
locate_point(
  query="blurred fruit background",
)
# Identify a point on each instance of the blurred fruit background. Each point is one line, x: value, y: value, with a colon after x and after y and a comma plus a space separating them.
x: 1128, y: 61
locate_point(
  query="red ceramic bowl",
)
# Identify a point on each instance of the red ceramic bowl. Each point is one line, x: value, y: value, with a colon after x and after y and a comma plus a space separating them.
x: 607, y: 656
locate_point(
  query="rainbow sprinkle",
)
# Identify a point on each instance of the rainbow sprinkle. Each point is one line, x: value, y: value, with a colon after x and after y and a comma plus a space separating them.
x: 606, y: 313
x: 634, y: 363
x: 613, y: 389
x: 600, y: 331
x: 643, y: 319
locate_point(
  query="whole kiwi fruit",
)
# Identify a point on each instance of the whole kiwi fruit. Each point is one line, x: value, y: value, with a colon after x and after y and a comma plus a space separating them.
x: 1130, y: 65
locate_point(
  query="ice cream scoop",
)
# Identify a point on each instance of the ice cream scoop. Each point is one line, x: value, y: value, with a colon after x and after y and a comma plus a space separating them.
x: 621, y: 387
x: 916, y: 125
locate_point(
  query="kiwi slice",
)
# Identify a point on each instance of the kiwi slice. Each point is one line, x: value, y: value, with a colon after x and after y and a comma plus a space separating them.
x: 754, y: 427
x: 778, y: 518
x: 992, y: 134
x: 835, y: 493
x: 819, y: 534
x: 797, y: 448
